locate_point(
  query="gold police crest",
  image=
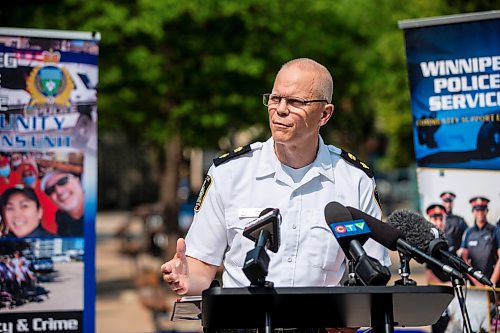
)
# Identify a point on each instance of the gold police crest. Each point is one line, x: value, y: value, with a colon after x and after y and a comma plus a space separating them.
x: 49, y: 85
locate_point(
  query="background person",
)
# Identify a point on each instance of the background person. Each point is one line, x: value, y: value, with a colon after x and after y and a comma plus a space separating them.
x: 293, y: 171
x: 65, y: 190
x: 455, y: 225
x: 436, y: 213
x: 22, y: 213
x: 481, y: 242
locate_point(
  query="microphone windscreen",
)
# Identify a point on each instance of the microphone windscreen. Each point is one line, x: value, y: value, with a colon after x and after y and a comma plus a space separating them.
x: 416, y: 229
x: 335, y: 212
x: 381, y: 232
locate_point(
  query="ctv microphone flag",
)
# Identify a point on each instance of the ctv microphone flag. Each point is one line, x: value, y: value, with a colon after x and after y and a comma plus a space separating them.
x: 349, y: 228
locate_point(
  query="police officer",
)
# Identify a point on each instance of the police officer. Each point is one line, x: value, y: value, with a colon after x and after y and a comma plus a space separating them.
x: 455, y: 225
x: 437, y: 214
x: 294, y: 171
x: 481, y: 242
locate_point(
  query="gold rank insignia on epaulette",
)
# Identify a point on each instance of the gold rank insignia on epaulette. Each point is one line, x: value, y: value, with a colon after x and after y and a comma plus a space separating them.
x: 357, y: 163
x: 227, y: 156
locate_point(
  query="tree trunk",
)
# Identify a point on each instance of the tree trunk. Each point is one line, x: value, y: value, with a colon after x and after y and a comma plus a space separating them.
x: 168, y: 190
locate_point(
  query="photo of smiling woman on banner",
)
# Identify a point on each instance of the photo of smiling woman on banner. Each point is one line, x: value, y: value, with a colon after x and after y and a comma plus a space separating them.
x: 21, y: 213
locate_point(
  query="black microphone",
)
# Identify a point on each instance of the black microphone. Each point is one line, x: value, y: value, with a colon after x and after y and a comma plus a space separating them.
x: 394, y: 239
x: 264, y: 231
x: 421, y: 232
x: 351, y: 235
x: 269, y: 221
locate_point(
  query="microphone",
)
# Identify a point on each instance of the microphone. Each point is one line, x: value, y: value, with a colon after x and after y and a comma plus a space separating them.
x: 422, y: 232
x: 394, y: 239
x: 351, y: 235
x: 268, y: 222
x: 264, y: 231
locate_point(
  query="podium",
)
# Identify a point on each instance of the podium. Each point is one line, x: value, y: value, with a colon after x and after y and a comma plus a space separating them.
x: 379, y: 307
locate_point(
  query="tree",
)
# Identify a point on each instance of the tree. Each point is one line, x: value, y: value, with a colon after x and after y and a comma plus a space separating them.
x: 181, y: 74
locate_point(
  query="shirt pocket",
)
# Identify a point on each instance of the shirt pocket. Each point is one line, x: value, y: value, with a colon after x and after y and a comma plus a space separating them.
x: 323, y: 249
x: 238, y: 245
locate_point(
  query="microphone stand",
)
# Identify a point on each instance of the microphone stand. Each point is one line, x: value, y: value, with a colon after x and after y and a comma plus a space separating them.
x: 353, y: 279
x: 404, y: 271
x: 256, y: 269
x: 457, y: 285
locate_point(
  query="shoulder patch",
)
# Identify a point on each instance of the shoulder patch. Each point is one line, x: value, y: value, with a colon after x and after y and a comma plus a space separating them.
x: 357, y: 163
x: 227, y: 156
x: 203, y: 192
x: 377, y: 199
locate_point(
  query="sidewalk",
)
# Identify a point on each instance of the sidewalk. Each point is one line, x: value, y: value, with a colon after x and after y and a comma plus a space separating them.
x: 118, y: 299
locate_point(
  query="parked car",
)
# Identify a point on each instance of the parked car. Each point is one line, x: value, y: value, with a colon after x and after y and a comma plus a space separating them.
x: 42, y: 265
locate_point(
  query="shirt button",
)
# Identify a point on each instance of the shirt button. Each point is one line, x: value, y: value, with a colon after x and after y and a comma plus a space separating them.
x: 289, y: 259
x: 294, y: 226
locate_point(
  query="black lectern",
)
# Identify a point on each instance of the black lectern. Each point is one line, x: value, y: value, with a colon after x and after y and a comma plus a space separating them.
x: 379, y: 307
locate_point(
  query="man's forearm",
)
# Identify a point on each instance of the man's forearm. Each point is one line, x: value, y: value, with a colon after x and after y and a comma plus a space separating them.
x: 201, y: 275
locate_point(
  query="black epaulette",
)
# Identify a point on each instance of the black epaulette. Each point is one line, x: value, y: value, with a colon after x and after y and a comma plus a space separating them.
x: 227, y: 156
x: 357, y: 163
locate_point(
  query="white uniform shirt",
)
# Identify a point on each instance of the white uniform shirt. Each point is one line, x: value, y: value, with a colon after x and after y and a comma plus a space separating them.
x: 236, y: 191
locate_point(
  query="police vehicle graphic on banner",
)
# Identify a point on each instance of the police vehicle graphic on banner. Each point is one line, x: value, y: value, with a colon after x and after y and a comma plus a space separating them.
x: 41, y: 94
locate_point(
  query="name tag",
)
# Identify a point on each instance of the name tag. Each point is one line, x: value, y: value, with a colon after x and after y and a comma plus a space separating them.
x: 249, y: 212
x: 472, y: 243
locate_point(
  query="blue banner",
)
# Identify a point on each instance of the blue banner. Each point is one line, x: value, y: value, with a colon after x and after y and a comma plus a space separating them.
x: 48, y: 180
x: 454, y: 74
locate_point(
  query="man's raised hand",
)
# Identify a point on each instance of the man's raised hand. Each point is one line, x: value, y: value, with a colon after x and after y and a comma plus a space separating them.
x: 176, y: 272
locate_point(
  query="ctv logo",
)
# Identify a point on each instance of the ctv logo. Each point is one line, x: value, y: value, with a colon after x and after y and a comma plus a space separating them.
x: 349, y: 228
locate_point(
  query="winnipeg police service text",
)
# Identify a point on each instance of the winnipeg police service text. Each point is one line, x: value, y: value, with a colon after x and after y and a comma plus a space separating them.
x: 465, y: 83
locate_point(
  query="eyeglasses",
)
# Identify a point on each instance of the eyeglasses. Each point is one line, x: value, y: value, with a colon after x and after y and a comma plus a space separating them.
x: 61, y: 182
x: 296, y: 102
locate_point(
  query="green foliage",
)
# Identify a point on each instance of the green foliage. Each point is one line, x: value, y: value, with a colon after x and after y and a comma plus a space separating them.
x: 197, y: 68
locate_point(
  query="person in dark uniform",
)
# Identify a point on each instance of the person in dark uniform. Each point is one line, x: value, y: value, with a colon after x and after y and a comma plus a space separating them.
x: 455, y: 225
x: 437, y: 214
x: 481, y: 242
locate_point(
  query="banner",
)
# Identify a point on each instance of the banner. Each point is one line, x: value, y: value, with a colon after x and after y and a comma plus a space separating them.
x: 48, y: 180
x: 454, y: 73
x: 454, y: 76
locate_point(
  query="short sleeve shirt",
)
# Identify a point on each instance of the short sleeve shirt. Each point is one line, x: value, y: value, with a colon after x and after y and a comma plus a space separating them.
x: 482, y: 245
x: 235, y: 193
x: 454, y: 231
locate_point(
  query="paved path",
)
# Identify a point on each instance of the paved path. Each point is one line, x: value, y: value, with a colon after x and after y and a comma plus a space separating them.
x: 118, y: 301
